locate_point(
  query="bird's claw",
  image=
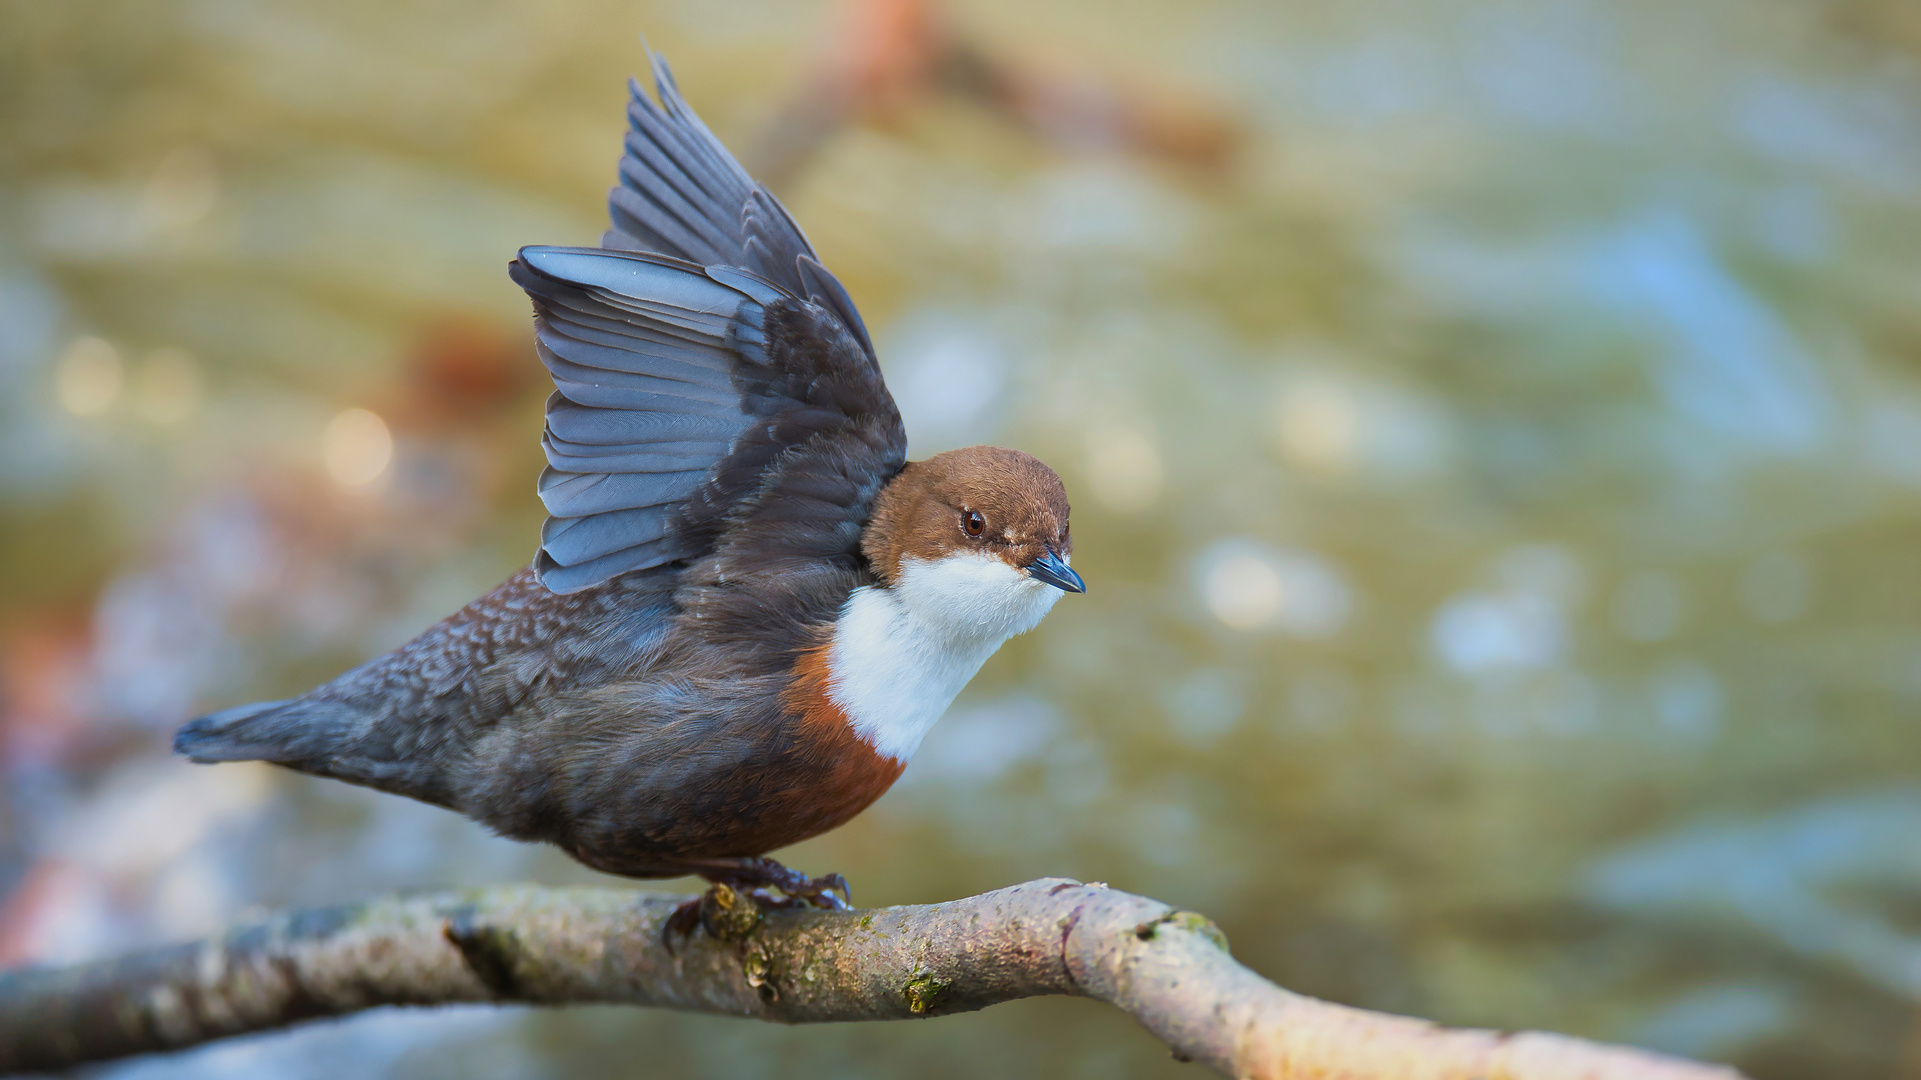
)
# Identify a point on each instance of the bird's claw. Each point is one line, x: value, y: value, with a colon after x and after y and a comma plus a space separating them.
x: 837, y: 882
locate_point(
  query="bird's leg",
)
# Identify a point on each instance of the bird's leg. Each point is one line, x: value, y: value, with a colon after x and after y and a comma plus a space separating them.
x: 756, y: 875
x: 797, y: 888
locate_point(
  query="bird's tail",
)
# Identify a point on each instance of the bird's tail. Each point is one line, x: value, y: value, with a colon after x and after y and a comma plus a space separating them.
x: 282, y: 731
x: 314, y: 736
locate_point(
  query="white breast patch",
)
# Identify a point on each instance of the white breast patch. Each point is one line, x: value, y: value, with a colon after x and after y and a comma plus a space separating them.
x: 900, y: 655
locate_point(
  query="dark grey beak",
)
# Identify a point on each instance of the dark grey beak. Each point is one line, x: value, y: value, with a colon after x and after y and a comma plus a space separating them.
x: 1055, y: 571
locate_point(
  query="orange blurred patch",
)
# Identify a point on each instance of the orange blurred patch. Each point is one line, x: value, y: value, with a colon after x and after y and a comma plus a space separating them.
x: 45, y: 659
x: 462, y: 367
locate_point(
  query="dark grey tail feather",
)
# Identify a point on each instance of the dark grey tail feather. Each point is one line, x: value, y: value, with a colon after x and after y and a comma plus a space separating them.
x: 281, y: 731
x: 321, y: 738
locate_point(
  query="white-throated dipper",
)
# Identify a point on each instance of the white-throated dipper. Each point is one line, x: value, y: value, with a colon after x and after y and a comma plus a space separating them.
x: 747, y: 607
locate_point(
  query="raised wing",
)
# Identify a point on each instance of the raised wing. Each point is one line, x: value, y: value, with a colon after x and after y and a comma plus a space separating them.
x: 683, y: 373
x: 677, y: 387
x: 682, y: 194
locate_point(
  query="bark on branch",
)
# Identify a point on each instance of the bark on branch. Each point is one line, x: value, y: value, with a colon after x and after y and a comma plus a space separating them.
x: 1169, y: 969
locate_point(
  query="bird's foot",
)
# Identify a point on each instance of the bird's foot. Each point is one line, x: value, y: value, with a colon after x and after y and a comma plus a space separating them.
x: 819, y: 896
x: 796, y: 888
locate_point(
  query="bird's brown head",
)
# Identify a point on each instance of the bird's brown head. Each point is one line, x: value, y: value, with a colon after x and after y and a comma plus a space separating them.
x: 980, y: 503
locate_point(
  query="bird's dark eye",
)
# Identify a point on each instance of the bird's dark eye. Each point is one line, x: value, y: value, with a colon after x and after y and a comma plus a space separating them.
x: 972, y: 523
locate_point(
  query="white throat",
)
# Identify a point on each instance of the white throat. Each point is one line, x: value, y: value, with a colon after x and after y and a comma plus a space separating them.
x: 900, y: 655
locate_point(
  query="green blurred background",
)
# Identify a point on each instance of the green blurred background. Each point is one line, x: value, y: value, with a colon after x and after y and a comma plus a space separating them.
x: 1494, y: 432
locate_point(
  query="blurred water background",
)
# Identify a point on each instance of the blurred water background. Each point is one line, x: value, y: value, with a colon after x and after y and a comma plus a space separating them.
x: 1494, y: 432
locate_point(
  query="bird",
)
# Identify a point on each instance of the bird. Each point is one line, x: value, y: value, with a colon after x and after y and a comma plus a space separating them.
x: 747, y: 607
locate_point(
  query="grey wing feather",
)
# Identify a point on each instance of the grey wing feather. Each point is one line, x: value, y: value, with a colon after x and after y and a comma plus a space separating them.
x: 642, y: 466
x: 682, y: 194
x: 658, y: 344
x: 639, y: 418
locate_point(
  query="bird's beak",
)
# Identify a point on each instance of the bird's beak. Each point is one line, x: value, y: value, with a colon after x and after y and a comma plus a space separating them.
x: 1054, y: 570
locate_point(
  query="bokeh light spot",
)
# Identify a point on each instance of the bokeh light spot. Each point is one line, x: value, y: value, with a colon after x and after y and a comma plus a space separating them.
x: 1243, y: 591
x: 89, y: 376
x: 1318, y: 426
x: 185, y: 188
x: 1478, y: 632
x: 356, y: 447
x: 1249, y: 586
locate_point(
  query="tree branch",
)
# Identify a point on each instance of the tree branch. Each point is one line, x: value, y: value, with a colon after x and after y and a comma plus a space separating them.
x: 1168, y: 969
